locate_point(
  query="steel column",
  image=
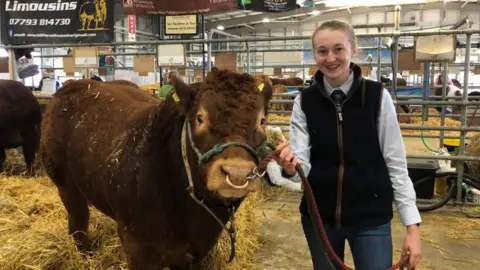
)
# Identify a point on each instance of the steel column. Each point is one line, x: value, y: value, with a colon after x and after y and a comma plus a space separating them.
x: 463, y: 118
x: 444, y: 94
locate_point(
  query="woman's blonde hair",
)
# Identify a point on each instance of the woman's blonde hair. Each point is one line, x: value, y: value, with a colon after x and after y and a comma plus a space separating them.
x: 337, y: 25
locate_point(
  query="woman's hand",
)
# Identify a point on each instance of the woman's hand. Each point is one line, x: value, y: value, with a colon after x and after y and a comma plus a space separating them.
x: 411, y: 244
x: 285, y: 158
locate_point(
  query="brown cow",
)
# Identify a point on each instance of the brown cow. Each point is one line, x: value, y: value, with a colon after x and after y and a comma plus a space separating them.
x: 20, y: 117
x: 121, y: 150
x: 388, y: 82
x: 280, y: 89
x: 264, y: 84
x: 296, y: 81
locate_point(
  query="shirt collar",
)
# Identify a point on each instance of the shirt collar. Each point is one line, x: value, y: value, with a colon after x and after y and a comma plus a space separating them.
x: 345, y: 87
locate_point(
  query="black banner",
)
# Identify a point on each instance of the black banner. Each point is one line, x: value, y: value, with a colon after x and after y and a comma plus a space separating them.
x: 268, y: 5
x: 56, y: 21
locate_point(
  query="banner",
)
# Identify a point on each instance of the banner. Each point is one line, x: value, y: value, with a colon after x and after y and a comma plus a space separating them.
x: 268, y: 5
x: 177, y: 7
x: 132, y: 28
x: 56, y: 21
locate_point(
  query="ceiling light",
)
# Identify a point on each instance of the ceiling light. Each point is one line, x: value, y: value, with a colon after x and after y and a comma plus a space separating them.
x: 220, y: 27
x: 341, y: 3
x: 266, y: 20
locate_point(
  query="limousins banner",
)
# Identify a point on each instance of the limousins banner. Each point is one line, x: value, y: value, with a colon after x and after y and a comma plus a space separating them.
x: 57, y: 21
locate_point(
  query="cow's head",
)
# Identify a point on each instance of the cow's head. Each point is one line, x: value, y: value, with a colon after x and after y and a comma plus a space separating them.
x: 227, y: 111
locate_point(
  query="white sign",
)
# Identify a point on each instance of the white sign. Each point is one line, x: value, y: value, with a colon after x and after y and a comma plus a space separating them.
x: 85, y: 61
x: 49, y: 86
x: 171, y: 55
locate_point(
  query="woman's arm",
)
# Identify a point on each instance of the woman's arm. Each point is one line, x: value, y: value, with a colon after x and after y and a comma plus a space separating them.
x: 393, y: 149
x: 299, y: 138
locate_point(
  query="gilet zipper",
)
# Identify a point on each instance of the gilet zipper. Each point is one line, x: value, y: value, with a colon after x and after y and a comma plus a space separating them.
x: 341, y: 167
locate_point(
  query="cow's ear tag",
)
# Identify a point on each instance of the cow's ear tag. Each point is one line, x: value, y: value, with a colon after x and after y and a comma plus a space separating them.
x: 260, y: 87
x: 175, y: 97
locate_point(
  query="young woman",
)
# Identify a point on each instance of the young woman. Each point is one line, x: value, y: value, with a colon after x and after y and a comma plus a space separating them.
x: 345, y: 131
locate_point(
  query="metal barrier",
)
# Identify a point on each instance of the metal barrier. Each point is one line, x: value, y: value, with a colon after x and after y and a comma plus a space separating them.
x: 395, y: 35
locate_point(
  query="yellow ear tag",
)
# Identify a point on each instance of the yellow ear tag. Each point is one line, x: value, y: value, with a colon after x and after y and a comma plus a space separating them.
x: 260, y: 87
x: 175, y: 97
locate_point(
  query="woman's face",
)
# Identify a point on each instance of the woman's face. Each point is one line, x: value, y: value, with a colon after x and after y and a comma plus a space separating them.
x: 333, y: 53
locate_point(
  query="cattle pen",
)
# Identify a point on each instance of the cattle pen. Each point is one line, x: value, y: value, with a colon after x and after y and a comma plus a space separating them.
x: 33, y: 222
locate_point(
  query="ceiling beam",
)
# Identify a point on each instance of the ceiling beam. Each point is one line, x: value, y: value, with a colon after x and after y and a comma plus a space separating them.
x: 259, y: 18
x: 262, y: 27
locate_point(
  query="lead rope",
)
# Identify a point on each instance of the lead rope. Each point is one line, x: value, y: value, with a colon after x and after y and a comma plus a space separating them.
x: 317, y: 223
x: 232, y: 230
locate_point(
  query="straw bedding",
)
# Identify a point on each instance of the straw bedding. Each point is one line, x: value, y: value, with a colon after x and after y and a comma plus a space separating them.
x: 435, y: 122
x: 473, y: 149
x: 33, y: 232
x: 415, y: 121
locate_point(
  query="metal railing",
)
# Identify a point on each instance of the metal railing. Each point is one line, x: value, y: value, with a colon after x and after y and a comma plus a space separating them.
x: 463, y: 103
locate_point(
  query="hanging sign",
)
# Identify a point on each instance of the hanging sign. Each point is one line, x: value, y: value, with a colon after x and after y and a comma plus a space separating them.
x: 438, y: 48
x: 177, y: 7
x: 60, y: 21
x: 181, y: 25
x: 132, y: 28
x: 268, y: 5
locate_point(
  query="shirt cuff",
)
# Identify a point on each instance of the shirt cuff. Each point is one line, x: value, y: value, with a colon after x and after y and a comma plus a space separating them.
x: 410, y: 215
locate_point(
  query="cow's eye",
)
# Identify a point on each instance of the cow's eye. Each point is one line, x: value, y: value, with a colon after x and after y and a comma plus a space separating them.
x: 199, y: 118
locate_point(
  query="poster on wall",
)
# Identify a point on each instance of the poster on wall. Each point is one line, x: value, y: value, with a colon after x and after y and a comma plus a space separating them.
x: 177, y: 7
x: 268, y: 5
x: 56, y: 21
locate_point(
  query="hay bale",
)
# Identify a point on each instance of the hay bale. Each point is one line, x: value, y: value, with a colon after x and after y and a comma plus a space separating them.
x: 280, y: 118
x: 150, y: 88
x: 275, y: 135
x: 34, y: 234
x: 473, y: 149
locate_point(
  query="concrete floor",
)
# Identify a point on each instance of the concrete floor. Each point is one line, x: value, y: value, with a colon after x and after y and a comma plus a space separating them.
x: 449, y: 239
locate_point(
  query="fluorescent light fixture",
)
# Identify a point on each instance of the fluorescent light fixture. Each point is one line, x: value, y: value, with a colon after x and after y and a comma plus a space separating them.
x: 366, y: 3
x: 3, y: 52
x: 315, y: 12
x: 266, y: 20
x: 220, y: 27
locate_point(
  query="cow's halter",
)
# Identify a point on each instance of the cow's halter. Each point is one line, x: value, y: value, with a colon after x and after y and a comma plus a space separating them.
x: 204, y: 158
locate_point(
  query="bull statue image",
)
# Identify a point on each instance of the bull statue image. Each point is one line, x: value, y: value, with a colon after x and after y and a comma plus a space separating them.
x: 93, y: 11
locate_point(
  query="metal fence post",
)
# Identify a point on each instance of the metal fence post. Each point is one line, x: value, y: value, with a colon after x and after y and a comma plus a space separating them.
x: 463, y: 118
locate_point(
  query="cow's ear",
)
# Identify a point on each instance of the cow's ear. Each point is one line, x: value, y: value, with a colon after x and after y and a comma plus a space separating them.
x: 182, y: 95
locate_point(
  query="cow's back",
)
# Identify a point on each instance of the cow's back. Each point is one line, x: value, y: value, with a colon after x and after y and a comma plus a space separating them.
x: 18, y: 106
x: 89, y: 129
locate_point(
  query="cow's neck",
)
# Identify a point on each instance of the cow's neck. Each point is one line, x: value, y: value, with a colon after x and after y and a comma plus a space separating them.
x: 197, y: 225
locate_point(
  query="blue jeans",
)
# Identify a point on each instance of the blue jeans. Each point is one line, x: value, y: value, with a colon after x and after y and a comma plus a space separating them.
x: 371, y: 247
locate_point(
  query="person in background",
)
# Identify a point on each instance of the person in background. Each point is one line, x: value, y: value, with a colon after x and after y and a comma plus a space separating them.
x: 94, y: 76
x: 45, y: 76
x: 344, y: 130
x: 438, y: 85
x: 167, y: 87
